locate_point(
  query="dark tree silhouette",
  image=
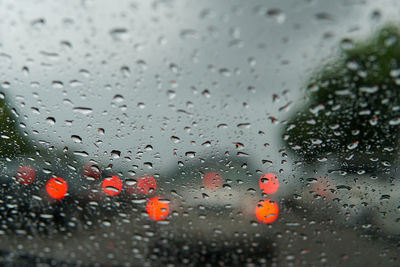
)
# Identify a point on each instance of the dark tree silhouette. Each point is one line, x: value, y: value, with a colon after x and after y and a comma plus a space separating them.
x: 352, y: 111
x: 12, y: 142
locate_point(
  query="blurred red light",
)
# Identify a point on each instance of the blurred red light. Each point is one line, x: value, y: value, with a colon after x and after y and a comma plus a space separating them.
x: 112, y: 186
x: 269, y: 184
x: 267, y: 211
x: 92, y: 170
x: 26, y: 175
x: 213, y: 180
x: 157, y: 209
x: 144, y: 185
x: 57, y: 188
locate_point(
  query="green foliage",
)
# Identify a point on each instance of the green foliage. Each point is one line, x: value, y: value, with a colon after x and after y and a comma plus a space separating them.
x: 353, y: 106
x: 12, y: 142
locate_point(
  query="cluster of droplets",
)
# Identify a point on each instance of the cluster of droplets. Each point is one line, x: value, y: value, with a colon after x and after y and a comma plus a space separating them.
x: 57, y: 187
x: 267, y: 210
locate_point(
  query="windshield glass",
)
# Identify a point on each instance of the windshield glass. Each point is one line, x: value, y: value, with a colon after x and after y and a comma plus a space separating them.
x: 200, y: 133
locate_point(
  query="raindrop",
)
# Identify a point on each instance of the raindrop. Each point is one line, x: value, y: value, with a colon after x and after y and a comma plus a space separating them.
x: 174, y: 68
x: 148, y: 165
x: 142, y: 64
x: 225, y: 72
x: 119, y: 34
x: 244, y: 125
x: 206, y: 144
x: 206, y: 93
x: 46, y: 216
x: 394, y: 122
x: 112, y: 189
x: 115, y: 154
x: 76, y: 138
x: 25, y: 70
x: 188, y: 33
x: 38, y: 23
x: 222, y: 125
x: 347, y: 44
x: 81, y: 153
x: 323, y: 16
x: 175, y: 139
x: 107, y: 223
x: 51, y: 120
x: 352, y: 145
x: 57, y: 84
x: 376, y: 15
x: 190, y: 154
x: 83, y: 110
x: 252, y: 62
x: 118, y: 98
x: 126, y: 72
x: 171, y: 94
x: 277, y: 14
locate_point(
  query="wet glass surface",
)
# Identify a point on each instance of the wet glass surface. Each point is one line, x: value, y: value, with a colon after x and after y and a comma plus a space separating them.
x: 200, y: 133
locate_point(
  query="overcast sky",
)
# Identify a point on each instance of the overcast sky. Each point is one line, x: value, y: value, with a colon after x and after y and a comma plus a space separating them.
x: 198, y: 70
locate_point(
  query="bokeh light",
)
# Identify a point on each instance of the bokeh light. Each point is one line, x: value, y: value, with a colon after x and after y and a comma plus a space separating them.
x: 92, y: 170
x: 146, y: 185
x: 57, y: 188
x: 112, y: 186
x: 269, y: 184
x: 267, y: 211
x: 213, y: 180
x: 157, y: 209
x: 26, y: 175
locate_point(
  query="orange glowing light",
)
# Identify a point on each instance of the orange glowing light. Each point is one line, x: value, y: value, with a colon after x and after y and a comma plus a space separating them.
x: 26, y: 175
x: 269, y: 184
x: 112, y: 186
x: 144, y: 185
x: 267, y: 211
x: 213, y: 180
x: 57, y: 188
x: 157, y: 209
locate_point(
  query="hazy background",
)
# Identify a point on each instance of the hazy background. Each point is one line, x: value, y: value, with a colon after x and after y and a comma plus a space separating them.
x: 148, y: 70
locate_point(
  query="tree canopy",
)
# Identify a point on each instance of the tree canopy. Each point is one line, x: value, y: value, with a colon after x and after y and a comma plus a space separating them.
x: 352, y: 108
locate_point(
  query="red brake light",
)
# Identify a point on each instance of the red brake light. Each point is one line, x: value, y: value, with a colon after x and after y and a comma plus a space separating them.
x: 112, y: 186
x: 267, y: 211
x: 26, y: 175
x: 57, y: 188
x: 213, y: 180
x: 144, y: 185
x: 157, y: 209
x: 269, y: 184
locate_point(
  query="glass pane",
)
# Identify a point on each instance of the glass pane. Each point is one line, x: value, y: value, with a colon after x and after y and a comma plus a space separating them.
x: 153, y: 133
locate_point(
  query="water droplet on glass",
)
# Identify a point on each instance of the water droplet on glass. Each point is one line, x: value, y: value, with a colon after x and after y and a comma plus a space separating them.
x: 83, y: 110
x: 76, y: 138
x: 119, y: 34
x: 115, y: 154
x: 51, y: 120
x: 190, y: 154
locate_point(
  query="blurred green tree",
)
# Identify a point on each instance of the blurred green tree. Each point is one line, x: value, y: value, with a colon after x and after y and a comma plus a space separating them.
x: 12, y: 142
x: 352, y: 108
